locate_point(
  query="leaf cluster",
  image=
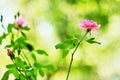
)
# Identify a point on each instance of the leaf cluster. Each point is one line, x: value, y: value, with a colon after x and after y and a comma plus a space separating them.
x: 22, y: 68
x: 67, y: 45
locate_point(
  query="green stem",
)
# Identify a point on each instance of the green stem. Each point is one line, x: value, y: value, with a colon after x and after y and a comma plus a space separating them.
x: 26, y: 58
x: 27, y: 61
x: 74, y: 53
x: 18, y: 69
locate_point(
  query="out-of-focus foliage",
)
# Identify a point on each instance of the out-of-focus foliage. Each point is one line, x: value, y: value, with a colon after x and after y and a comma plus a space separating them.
x: 91, y: 61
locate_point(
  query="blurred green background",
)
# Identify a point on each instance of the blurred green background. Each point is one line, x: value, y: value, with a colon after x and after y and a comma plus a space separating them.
x: 52, y: 21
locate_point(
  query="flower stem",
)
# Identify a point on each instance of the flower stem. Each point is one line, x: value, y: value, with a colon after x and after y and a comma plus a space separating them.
x: 74, y: 53
x: 26, y: 58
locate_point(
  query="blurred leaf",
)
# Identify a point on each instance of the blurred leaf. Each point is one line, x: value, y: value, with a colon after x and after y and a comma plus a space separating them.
x: 68, y: 43
x: 2, y: 37
x: 38, y: 65
x: 29, y: 46
x: 22, y: 77
x: 33, y: 56
x: 10, y: 66
x: 25, y: 28
x: 8, y: 46
x: 20, y: 40
x: 1, y: 18
x: 60, y: 46
x: 65, y: 53
x: 70, y: 40
x: 23, y: 34
x: 12, y: 42
x: 6, y: 75
x: 20, y: 63
x: 87, y: 69
x: 18, y: 14
x: 73, y: 44
x: 10, y: 26
x: 15, y: 72
x: 50, y: 67
x: 1, y: 40
x: 41, y: 52
x: 41, y: 72
x: 91, y: 40
x: 34, y: 73
x: 72, y: 1
x: 12, y: 36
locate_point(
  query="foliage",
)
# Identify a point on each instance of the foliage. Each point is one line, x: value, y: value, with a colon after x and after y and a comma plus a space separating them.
x: 67, y: 45
x: 18, y: 48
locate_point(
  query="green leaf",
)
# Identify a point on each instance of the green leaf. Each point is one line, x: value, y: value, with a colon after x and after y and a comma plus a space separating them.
x: 91, y: 40
x: 8, y: 46
x: 15, y: 72
x: 70, y: 40
x: 20, y: 63
x: 38, y: 65
x: 10, y: 66
x: 1, y: 18
x: 18, y: 14
x: 2, y: 37
x: 33, y: 56
x: 6, y: 75
x: 34, y: 73
x: 41, y: 52
x: 22, y: 77
x: 10, y: 26
x: 25, y: 28
x: 73, y: 44
x: 23, y: 34
x: 1, y: 40
x: 41, y: 72
x: 50, y: 67
x: 60, y: 46
x: 21, y: 40
x: 65, y: 53
x: 29, y: 47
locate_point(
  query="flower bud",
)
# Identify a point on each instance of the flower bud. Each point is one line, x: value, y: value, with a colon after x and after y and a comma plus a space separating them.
x: 9, y: 52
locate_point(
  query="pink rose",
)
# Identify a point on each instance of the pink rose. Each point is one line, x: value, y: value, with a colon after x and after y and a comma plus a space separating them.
x: 89, y: 25
x: 20, y: 22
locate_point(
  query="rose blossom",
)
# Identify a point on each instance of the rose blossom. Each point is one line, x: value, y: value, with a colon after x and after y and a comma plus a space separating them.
x: 20, y: 22
x: 89, y: 25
